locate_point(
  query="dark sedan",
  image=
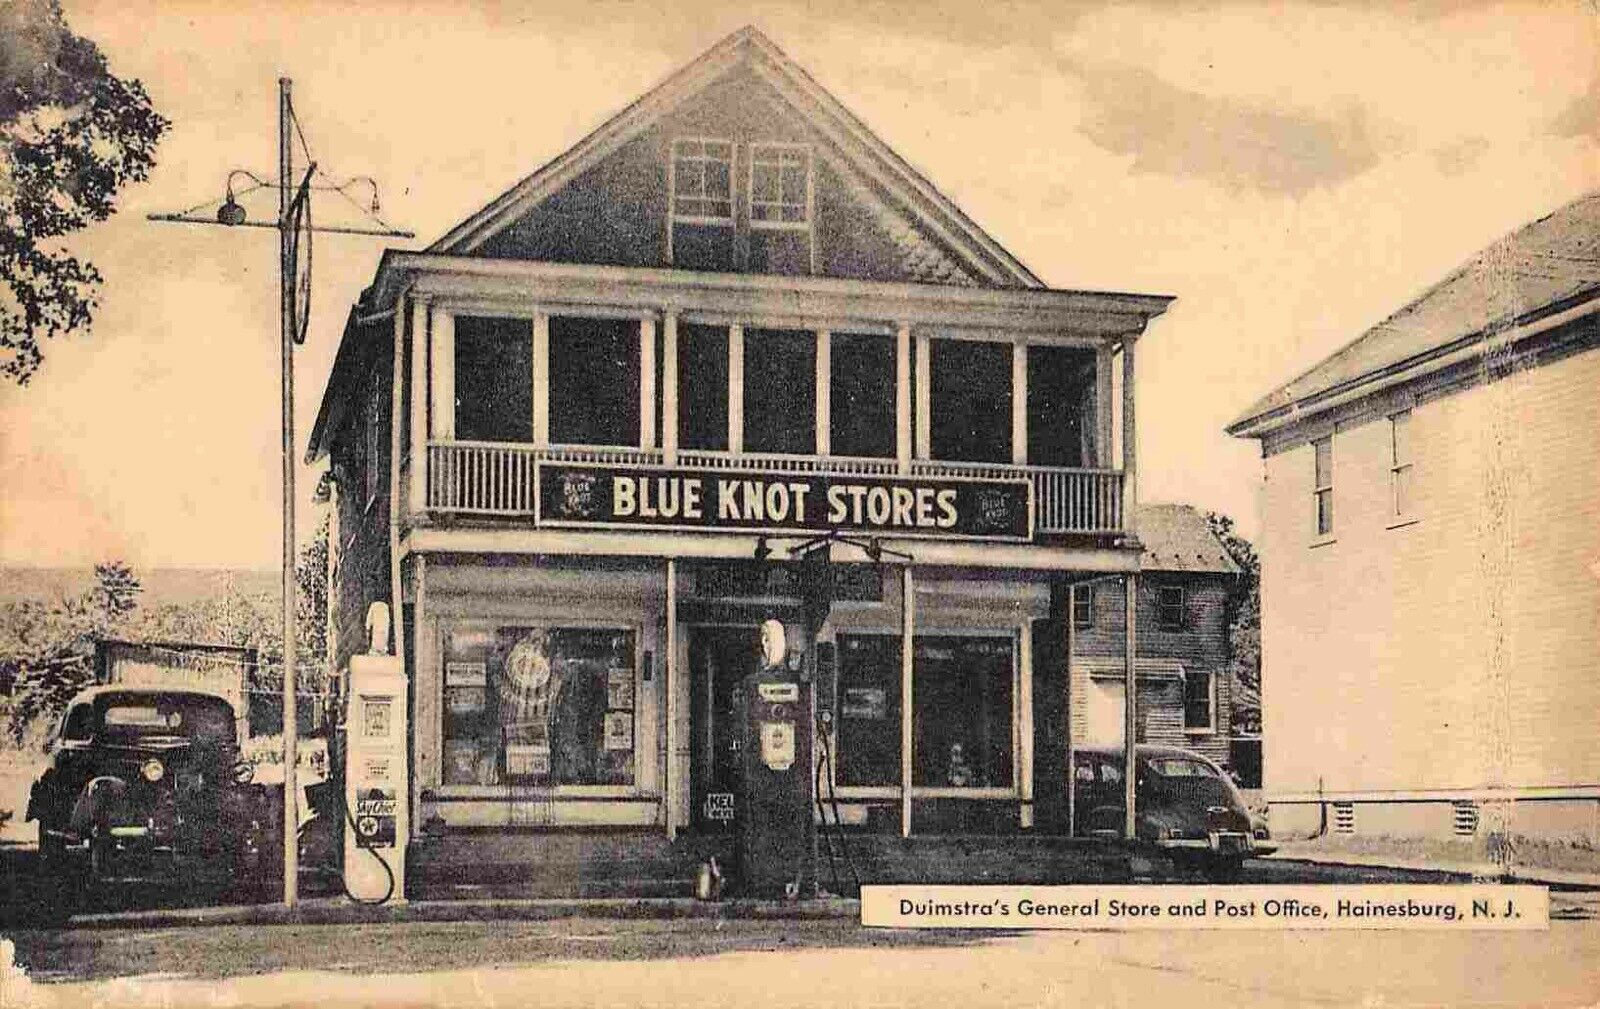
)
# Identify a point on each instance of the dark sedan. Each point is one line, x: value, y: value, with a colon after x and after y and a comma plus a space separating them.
x: 147, y: 781
x: 1184, y: 803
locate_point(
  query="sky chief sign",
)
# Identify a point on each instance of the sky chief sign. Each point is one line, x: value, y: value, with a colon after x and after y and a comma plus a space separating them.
x: 650, y: 497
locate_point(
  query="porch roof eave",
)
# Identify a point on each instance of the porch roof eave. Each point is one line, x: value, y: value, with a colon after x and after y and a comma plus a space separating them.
x: 1104, y: 315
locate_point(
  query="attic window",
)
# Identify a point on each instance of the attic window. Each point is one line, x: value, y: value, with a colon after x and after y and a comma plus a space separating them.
x: 702, y: 181
x: 780, y: 186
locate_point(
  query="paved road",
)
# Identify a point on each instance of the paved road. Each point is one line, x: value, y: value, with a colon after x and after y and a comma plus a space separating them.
x: 583, y: 962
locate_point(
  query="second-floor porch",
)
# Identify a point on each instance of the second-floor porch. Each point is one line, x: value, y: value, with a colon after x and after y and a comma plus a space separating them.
x: 506, y: 368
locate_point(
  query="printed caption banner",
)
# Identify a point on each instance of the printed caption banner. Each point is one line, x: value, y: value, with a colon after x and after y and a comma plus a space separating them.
x: 1319, y: 906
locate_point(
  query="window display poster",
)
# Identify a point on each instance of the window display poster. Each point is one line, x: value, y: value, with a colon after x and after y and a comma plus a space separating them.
x: 619, y: 689
x: 619, y: 730
x: 865, y: 702
x: 527, y: 760
x: 467, y: 700
x: 466, y: 674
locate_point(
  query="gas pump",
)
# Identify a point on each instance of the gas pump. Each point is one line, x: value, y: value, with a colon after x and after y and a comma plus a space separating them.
x: 776, y: 833
x: 377, y: 822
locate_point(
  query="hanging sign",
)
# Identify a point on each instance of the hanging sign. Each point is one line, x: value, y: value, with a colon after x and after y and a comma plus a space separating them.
x: 652, y: 497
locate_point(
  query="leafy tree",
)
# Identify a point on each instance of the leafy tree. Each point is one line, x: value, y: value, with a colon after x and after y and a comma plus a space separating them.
x: 1243, y: 614
x: 72, y: 134
x: 47, y: 649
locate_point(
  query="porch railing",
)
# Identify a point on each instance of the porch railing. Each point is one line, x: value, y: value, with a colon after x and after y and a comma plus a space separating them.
x: 491, y: 478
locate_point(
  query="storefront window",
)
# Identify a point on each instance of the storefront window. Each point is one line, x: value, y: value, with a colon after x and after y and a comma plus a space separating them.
x: 961, y: 697
x: 869, y: 710
x: 539, y: 706
x: 962, y: 700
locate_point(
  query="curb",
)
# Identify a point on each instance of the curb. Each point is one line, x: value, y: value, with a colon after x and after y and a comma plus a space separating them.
x: 1557, y: 878
x: 342, y: 912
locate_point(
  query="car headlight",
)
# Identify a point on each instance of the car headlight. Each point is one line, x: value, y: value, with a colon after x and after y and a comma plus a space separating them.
x: 243, y: 772
x: 152, y: 770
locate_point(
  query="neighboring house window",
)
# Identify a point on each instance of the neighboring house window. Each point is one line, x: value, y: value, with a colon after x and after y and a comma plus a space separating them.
x: 702, y: 204
x: 1400, y: 464
x: 1199, y: 701
x: 1170, y: 611
x: 1322, y: 491
x: 1083, y: 607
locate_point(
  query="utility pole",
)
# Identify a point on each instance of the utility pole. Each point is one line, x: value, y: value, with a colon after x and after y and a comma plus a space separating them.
x: 287, y: 324
x: 291, y: 319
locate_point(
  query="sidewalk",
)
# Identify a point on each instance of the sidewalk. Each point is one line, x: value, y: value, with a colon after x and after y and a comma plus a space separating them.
x: 1559, y: 878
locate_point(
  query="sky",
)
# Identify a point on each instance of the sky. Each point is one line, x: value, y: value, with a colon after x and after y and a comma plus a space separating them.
x: 1291, y: 172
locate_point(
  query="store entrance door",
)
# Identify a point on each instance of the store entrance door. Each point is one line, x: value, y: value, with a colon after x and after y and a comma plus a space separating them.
x: 719, y: 657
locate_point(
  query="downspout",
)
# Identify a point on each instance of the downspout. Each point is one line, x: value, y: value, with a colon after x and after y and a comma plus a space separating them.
x: 396, y: 599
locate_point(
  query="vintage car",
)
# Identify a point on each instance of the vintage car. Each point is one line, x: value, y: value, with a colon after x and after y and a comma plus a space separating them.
x: 1185, y: 805
x: 146, y: 782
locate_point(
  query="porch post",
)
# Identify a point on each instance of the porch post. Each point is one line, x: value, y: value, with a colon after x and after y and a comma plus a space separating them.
x: 1067, y: 634
x: 541, y: 379
x: 1019, y: 403
x: 1025, y: 722
x: 647, y: 384
x: 396, y: 607
x: 669, y: 387
x: 923, y: 383
x: 902, y: 397
x: 824, y: 392
x: 1130, y: 707
x: 908, y: 606
x: 418, y: 350
x: 1102, y: 406
x: 736, y: 388
x: 1130, y: 444
x: 669, y: 781
x: 443, y: 339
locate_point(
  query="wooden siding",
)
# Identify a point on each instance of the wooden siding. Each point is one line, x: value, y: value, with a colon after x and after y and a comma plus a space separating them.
x: 1203, y: 645
x: 616, y: 213
x: 1460, y: 650
x: 361, y: 574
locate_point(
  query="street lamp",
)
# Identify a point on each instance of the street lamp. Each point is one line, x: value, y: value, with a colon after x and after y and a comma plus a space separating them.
x: 293, y: 216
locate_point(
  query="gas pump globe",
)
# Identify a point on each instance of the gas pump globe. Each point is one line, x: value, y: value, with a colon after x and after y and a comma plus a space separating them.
x: 774, y: 643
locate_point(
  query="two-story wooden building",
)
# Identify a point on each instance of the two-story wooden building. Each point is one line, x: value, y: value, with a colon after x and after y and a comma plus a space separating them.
x: 580, y: 439
x: 1431, y: 556
x: 1185, y: 693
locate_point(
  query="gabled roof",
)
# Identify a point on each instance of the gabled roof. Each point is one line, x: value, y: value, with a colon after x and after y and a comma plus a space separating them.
x: 1547, y: 265
x: 1177, y: 537
x: 748, y: 47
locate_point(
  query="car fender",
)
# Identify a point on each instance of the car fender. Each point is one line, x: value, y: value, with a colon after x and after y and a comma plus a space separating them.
x: 37, y: 797
x: 103, y: 800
